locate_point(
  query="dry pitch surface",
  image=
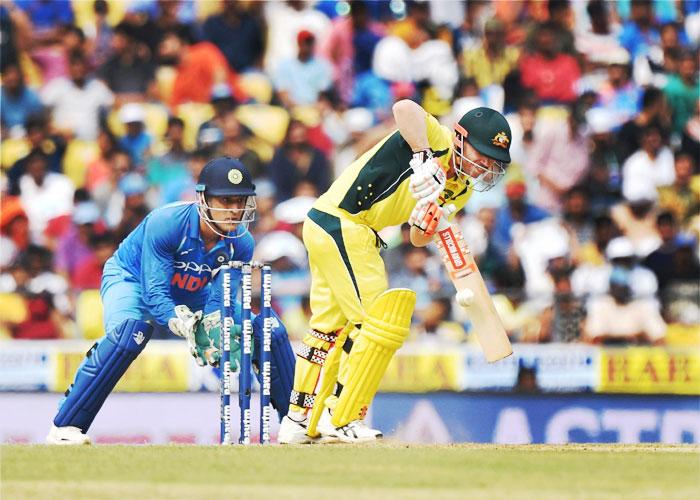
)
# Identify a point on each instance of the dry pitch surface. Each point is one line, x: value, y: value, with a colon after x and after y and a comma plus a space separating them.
x: 338, y: 472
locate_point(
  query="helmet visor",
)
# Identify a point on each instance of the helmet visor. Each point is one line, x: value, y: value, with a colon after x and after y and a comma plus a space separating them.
x: 481, y: 174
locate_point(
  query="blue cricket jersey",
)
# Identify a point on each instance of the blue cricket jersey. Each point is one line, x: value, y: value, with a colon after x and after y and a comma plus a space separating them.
x: 166, y: 255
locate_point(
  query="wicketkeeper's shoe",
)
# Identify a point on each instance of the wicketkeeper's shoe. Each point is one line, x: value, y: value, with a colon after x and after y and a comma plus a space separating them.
x: 67, y: 435
x: 354, y: 432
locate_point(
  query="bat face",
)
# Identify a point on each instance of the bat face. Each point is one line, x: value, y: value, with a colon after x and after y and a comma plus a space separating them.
x: 465, y: 274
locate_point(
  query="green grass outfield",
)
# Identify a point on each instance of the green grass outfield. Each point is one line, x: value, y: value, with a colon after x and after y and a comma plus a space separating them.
x: 338, y: 472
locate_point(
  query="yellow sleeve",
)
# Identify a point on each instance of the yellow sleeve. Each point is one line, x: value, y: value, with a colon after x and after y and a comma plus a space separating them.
x: 440, y: 140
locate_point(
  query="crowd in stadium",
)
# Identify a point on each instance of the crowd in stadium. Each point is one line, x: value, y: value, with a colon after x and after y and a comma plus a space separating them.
x: 111, y: 108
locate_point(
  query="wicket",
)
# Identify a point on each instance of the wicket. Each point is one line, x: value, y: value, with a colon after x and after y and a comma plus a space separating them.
x: 246, y: 345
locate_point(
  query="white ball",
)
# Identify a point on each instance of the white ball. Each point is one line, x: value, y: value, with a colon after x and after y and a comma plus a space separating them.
x: 465, y: 297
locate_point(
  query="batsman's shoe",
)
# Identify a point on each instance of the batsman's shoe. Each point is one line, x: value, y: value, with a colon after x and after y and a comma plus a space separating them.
x: 354, y: 432
x: 293, y: 432
x: 67, y: 435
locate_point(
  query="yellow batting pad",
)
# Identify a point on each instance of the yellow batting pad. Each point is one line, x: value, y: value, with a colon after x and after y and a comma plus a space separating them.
x: 383, y: 331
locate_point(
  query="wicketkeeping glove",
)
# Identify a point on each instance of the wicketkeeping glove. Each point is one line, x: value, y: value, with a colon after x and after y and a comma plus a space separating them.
x: 428, y: 178
x: 426, y: 216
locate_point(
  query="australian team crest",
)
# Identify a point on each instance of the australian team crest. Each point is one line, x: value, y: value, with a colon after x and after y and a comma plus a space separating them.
x: 501, y: 140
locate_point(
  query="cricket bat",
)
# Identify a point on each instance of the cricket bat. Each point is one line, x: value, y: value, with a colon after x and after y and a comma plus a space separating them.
x: 466, y: 277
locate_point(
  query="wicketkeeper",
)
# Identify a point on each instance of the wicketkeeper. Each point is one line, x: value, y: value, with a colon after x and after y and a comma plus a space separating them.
x: 167, y: 272
x: 417, y: 174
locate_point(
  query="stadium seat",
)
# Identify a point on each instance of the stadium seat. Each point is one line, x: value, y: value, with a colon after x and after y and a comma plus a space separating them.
x: 267, y: 122
x: 79, y: 154
x: 88, y: 314
x: 207, y: 8
x: 257, y: 85
x: 156, y: 121
x: 13, y: 310
x: 165, y: 79
x: 193, y: 114
x: 12, y: 150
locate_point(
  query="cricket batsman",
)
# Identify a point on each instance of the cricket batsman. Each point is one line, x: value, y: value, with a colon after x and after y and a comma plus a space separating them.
x: 166, y: 272
x: 419, y: 173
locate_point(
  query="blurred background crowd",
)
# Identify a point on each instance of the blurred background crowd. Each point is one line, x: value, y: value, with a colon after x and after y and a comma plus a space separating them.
x: 111, y: 108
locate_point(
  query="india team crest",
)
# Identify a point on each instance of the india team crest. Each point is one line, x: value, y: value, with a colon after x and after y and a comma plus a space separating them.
x: 501, y: 140
x: 235, y: 176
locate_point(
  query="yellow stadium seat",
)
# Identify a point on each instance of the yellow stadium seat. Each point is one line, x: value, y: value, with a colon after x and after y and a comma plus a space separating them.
x: 194, y: 114
x: 257, y: 85
x: 12, y: 150
x: 263, y: 149
x: 308, y: 115
x: 206, y: 8
x: 85, y: 16
x: 165, y: 80
x: 156, y: 121
x: 267, y: 122
x: 88, y: 314
x: 79, y: 154
x: 13, y: 308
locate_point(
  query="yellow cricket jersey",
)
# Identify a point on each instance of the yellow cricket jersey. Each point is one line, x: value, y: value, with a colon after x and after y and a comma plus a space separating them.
x: 374, y: 191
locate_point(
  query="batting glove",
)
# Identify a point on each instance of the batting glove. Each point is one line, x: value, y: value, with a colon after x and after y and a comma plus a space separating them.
x: 426, y: 217
x: 428, y: 178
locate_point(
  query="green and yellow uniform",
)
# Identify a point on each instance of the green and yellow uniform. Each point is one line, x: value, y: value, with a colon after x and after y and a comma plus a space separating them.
x: 340, y: 235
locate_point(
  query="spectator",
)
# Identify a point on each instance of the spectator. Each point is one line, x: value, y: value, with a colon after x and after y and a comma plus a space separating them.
x: 296, y: 161
x: 683, y: 196
x: 299, y: 81
x: 551, y: 74
x: 618, y: 93
x: 600, y: 40
x: 593, y: 252
x: 564, y: 320
x: 74, y: 246
x: 53, y: 57
x: 17, y: 101
x: 435, y: 324
x: 99, y: 33
x: 106, y: 193
x: 639, y: 36
x: 674, y: 261
x: 518, y: 210
x: 649, y: 167
x: 183, y: 188
x: 239, y: 35
x: 210, y: 133
x: 653, y: 113
x: 558, y: 157
x: 45, y: 195
x: 171, y: 164
x: 39, y: 141
x: 137, y: 142
x: 199, y: 66
x: 234, y: 145
x: 77, y: 101
x: 618, y: 318
x: 419, y: 273
x: 560, y: 15
x: 682, y: 91
x: 493, y: 60
x: 88, y: 273
x: 576, y: 214
x: 129, y: 205
x: 127, y: 72
x: 14, y: 230
x: 690, y: 140
x: 593, y: 281
x: 98, y: 170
